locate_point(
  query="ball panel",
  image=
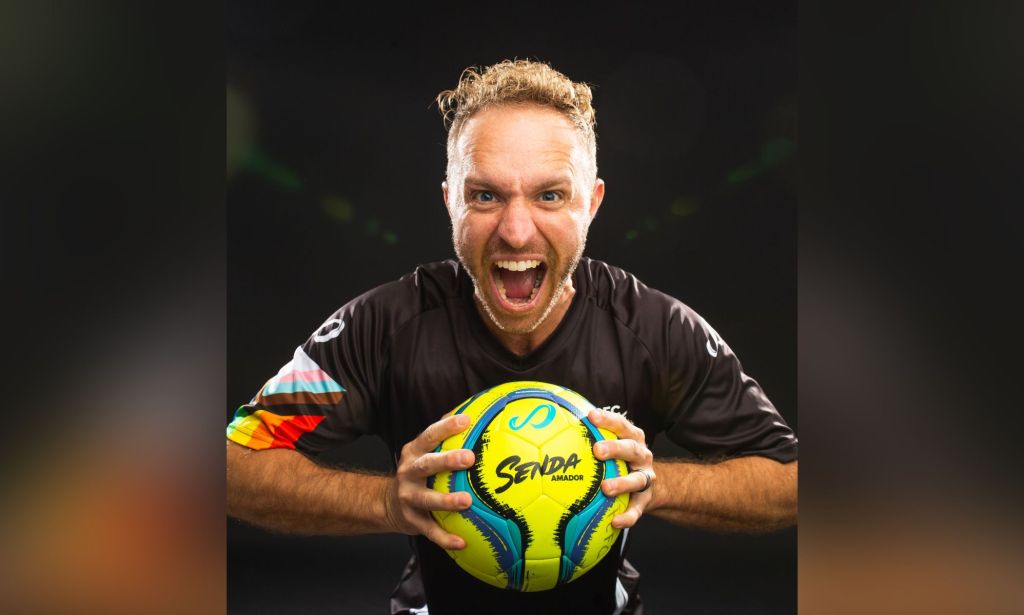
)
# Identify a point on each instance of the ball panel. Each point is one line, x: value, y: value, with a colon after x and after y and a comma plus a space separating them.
x: 602, y: 535
x: 498, y: 475
x: 532, y: 419
x: 545, y: 516
x: 541, y: 574
x: 491, y: 547
x: 573, y: 473
x: 615, y: 467
x: 440, y: 482
x: 581, y: 529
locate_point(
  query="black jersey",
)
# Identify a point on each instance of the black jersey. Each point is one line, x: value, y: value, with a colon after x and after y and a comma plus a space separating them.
x: 397, y: 358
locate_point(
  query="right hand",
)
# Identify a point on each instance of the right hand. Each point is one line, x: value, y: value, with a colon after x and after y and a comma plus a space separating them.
x: 408, y: 500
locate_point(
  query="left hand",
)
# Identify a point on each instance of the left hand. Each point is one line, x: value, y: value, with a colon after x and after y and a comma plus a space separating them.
x: 631, y: 447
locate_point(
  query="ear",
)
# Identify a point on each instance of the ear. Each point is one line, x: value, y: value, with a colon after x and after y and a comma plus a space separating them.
x: 596, y: 197
x: 444, y: 191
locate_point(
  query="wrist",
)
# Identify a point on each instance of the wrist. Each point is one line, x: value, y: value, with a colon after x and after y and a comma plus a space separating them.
x: 657, y: 501
x: 388, y: 505
x: 665, y: 491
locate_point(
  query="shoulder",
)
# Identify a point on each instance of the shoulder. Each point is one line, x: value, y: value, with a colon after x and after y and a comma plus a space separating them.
x: 391, y: 305
x: 646, y: 311
x: 428, y: 286
x: 625, y: 296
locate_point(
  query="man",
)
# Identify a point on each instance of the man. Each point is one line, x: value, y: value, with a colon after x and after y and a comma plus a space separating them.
x: 521, y: 303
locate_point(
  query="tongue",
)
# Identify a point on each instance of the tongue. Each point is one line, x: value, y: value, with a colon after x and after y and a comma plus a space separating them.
x: 518, y: 284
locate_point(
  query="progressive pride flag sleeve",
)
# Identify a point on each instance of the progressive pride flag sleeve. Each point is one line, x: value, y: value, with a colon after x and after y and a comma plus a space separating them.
x: 290, y: 405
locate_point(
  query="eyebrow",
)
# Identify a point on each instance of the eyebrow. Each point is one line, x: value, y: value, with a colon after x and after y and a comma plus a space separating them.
x: 548, y: 182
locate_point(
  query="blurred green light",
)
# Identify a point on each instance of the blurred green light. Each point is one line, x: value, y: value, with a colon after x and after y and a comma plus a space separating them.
x: 777, y: 150
x: 338, y: 208
x: 684, y: 206
x: 261, y: 165
x: 744, y: 173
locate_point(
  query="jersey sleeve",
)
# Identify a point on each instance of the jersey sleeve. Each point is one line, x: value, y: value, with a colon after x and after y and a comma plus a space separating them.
x: 323, y: 396
x: 713, y: 408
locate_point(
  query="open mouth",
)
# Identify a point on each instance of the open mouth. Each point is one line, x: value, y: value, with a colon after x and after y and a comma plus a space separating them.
x: 518, y: 282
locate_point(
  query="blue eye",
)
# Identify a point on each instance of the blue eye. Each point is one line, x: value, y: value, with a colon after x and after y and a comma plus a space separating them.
x: 549, y: 196
x: 485, y: 196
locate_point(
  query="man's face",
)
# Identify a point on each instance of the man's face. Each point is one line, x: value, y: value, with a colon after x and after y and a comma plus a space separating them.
x: 521, y: 196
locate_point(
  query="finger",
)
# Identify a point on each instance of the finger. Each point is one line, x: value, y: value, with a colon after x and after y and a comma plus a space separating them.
x: 430, y: 464
x: 438, y: 432
x: 632, y: 451
x: 437, y: 535
x: 630, y: 516
x: 428, y: 499
x: 630, y: 483
x: 616, y: 423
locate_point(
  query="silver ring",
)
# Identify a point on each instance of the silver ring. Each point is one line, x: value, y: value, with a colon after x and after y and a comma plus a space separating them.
x: 650, y: 478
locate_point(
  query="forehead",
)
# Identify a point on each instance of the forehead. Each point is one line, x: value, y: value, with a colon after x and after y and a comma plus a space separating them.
x: 519, y: 137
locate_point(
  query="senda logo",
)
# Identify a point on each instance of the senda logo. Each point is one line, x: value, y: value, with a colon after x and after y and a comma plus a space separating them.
x: 543, y: 423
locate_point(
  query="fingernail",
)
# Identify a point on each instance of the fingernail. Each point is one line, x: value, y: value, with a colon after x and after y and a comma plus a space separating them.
x: 599, y: 450
x: 466, y: 458
x: 461, y: 420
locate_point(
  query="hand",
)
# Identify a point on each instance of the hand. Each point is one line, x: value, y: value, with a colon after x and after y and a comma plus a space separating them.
x: 408, y: 500
x: 631, y: 447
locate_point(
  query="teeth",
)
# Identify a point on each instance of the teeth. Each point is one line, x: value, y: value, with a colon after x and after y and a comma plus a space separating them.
x: 517, y: 265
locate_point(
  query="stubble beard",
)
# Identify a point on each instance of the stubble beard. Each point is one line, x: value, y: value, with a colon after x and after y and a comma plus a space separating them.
x: 481, y: 298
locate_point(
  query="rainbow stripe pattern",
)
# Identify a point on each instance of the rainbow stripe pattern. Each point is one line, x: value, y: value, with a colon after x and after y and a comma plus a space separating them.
x: 290, y: 404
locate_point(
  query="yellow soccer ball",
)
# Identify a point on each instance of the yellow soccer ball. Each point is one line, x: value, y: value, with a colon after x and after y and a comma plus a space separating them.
x: 539, y: 518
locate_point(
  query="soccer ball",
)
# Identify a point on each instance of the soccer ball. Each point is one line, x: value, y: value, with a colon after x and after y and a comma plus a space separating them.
x: 538, y: 518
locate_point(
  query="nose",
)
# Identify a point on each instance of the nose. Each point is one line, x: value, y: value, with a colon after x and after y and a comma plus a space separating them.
x: 516, y: 227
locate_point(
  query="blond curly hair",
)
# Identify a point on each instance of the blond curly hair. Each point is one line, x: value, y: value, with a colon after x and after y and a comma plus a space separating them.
x: 518, y: 81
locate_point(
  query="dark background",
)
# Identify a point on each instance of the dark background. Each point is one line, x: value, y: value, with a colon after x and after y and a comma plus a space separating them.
x: 335, y: 159
x: 113, y: 269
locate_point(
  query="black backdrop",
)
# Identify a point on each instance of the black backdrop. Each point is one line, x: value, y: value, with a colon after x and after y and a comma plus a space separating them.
x: 335, y: 159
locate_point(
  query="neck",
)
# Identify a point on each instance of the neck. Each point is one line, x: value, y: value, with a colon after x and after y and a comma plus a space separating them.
x: 522, y: 344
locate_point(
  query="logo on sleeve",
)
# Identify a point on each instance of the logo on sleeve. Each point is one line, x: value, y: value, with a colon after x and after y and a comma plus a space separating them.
x: 329, y: 330
x: 714, y: 341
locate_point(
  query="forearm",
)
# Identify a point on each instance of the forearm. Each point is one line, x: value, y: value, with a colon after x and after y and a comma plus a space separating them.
x: 282, y: 490
x: 742, y: 494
